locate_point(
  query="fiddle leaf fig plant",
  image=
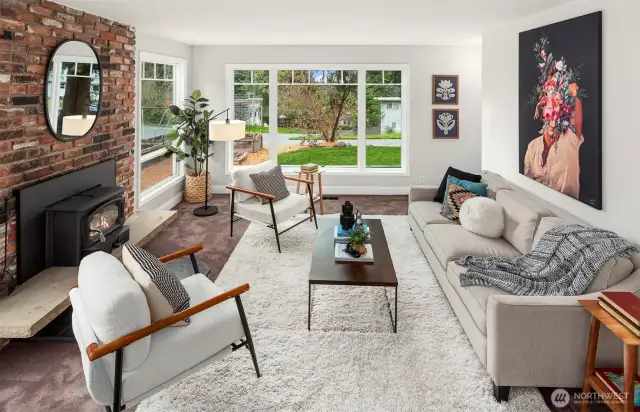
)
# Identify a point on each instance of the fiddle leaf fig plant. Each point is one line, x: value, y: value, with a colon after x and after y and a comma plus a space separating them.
x: 193, y: 123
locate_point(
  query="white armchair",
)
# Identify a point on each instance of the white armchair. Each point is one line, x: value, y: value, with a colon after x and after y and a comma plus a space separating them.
x: 246, y: 204
x: 125, y: 357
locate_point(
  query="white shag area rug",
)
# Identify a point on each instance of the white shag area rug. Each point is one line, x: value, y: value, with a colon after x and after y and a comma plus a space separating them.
x: 351, y: 360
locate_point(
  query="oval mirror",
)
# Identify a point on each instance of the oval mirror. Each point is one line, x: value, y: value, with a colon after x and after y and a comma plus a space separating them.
x: 73, y: 90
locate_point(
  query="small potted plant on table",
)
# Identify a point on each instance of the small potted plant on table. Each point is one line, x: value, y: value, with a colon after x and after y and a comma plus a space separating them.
x: 358, y: 237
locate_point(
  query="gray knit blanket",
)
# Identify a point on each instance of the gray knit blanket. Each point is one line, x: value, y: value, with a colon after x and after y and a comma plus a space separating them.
x: 563, y: 263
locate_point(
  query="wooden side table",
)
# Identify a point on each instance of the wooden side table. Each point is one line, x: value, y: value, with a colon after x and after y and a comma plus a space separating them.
x: 314, y: 177
x: 591, y: 381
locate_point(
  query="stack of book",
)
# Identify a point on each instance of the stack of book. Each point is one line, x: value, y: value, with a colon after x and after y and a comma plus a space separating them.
x: 309, y: 168
x: 340, y: 243
x: 624, y: 307
x: 342, y: 236
x: 613, y: 379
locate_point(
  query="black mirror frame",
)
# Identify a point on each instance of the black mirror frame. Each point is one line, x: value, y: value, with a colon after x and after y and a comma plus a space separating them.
x: 46, y: 104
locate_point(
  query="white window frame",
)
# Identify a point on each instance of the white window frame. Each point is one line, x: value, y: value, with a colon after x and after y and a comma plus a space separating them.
x: 56, y: 81
x: 180, y: 73
x: 361, y: 169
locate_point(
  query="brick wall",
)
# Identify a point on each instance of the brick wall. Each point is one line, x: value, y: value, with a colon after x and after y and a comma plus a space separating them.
x: 29, y: 153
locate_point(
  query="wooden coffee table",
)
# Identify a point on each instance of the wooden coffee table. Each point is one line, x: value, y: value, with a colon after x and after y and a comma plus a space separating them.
x: 325, y: 270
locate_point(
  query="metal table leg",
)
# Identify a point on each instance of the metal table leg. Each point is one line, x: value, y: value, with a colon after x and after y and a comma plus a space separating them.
x: 395, y: 323
x: 309, y: 314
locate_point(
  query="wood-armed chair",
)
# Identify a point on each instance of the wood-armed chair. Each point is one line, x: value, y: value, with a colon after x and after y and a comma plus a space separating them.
x: 246, y: 204
x: 125, y: 357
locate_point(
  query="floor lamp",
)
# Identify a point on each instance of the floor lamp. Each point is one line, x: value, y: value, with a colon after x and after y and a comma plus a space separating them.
x: 219, y: 131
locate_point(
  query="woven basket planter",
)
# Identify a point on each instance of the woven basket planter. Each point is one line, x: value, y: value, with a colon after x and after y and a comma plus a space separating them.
x: 194, y: 188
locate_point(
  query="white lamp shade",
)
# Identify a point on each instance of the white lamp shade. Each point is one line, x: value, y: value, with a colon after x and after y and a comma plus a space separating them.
x: 76, y: 125
x: 220, y: 130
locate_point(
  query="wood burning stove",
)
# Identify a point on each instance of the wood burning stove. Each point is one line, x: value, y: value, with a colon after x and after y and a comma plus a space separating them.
x: 84, y: 223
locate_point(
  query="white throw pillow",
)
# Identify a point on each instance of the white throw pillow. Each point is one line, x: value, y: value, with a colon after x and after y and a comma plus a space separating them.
x: 482, y: 216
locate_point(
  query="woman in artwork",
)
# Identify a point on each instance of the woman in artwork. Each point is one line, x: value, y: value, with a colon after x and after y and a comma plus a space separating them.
x: 553, y: 158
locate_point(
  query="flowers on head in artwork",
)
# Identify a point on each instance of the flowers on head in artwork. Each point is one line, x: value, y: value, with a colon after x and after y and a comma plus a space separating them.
x: 556, y: 91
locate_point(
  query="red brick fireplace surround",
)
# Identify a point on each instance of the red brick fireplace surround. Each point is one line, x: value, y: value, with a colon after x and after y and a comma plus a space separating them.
x: 29, y: 153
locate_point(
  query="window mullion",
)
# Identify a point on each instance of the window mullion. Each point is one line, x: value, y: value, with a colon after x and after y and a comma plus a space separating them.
x: 362, y: 120
x: 272, y: 136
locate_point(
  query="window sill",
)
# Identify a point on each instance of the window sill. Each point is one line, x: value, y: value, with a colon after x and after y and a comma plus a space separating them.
x: 346, y: 171
x: 152, y: 155
x: 158, y: 189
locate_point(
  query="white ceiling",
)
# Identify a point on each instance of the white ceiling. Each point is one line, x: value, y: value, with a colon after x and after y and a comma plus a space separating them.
x: 315, y: 22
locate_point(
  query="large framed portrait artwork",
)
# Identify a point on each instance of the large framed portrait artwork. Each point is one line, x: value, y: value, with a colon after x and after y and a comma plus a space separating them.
x: 560, y: 107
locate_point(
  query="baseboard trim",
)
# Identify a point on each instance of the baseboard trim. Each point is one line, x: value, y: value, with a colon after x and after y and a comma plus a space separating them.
x: 169, y: 204
x: 344, y: 190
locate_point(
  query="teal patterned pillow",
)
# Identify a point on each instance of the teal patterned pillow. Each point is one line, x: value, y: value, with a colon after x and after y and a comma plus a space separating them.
x: 479, y: 189
x: 456, y: 196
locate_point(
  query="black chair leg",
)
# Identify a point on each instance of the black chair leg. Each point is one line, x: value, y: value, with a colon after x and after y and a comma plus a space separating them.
x: 275, y: 226
x: 313, y: 206
x: 232, y: 210
x: 501, y: 393
x: 117, y: 383
x: 247, y: 334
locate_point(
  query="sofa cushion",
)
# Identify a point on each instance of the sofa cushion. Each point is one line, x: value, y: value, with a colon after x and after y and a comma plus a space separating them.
x: 613, y: 271
x: 452, y: 242
x: 521, y: 217
x: 494, y: 183
x: 428, y: 213
x: 176, y: 350
x: 240, y: 177
x: 284, y: 209
x: 546, y: 223
x: 474, y: 297
x: 114, y: 304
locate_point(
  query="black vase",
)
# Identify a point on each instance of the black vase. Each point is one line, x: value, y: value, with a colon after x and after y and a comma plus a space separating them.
x: 347, y: 218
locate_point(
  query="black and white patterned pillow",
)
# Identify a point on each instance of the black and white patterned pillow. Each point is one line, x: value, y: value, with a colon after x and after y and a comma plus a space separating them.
x: 270, y: 182
x: 165, y: 294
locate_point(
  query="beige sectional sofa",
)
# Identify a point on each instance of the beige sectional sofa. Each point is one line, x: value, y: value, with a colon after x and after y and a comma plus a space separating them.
x: 527, y: 341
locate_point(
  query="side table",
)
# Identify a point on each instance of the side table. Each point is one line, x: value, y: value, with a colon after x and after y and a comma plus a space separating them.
x: 591, y: 381
x: 314, y: 177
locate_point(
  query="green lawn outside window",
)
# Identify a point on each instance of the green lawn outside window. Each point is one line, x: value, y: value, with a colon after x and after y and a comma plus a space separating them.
x: 342, y: 156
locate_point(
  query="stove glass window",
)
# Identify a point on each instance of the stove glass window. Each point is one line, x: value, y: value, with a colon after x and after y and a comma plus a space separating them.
x: 104, y: 219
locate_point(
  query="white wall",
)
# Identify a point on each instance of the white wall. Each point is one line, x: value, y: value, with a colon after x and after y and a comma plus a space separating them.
x: 621, y: 143
x: 154, y: 44
x: 429, y: 157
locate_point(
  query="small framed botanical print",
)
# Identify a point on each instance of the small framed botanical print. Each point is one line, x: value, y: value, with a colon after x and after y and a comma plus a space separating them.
x: 446, y: 124
x: 445, y: 89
